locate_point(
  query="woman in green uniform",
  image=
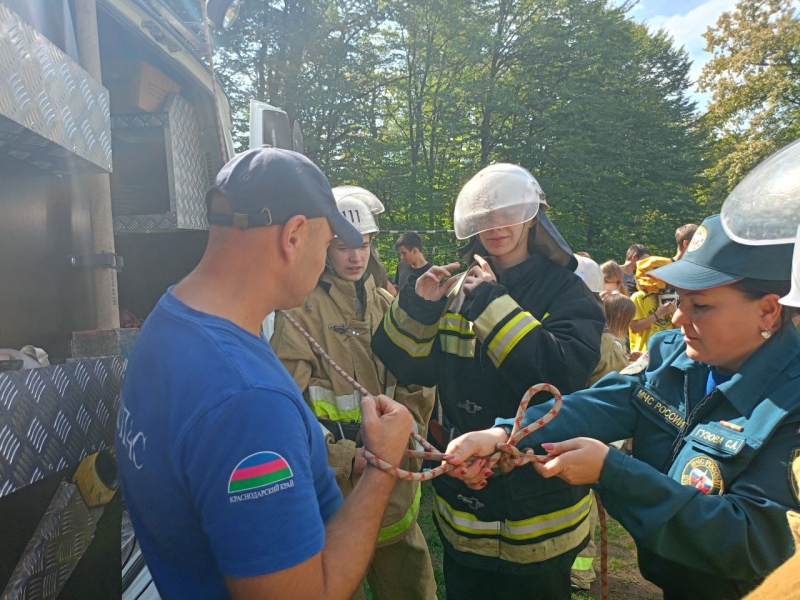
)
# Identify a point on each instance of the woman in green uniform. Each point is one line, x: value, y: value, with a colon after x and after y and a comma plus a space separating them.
x: 714, y: 413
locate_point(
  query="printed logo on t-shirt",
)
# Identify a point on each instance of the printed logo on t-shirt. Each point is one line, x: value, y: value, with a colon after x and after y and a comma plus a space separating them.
x: 260, y: 470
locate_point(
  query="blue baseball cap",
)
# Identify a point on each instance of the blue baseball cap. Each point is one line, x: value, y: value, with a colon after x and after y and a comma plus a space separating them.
x: 269, y: 186
x: 713, y: 259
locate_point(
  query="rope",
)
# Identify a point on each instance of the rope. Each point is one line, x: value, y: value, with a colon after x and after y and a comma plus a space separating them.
x: 507, y: 454
x: 601, y: 514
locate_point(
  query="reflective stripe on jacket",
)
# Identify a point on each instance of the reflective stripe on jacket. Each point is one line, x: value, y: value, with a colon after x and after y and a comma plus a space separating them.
x: 537, y: 323
x: 330, y: 315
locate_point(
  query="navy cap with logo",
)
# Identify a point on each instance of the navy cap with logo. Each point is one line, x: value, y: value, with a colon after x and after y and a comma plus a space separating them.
x: 268, y: 186
x: 712, y: 259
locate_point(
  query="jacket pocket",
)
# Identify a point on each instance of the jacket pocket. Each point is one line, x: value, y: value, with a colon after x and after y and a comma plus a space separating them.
x: 716, y: 440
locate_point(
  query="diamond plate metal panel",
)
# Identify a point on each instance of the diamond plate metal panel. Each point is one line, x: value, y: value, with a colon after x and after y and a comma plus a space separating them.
x: 144, y: 223
x: 53, y: 417
x: 140, y: 121
x: 189, y: 177
x: 53, y: 114
x: 59, y: 542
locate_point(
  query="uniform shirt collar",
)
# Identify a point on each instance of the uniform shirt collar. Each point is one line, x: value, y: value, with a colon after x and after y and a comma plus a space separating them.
x: 746, y: 388
x: 344, y: 293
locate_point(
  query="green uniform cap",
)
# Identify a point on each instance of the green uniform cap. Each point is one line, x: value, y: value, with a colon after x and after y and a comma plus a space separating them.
x: 713, y: 259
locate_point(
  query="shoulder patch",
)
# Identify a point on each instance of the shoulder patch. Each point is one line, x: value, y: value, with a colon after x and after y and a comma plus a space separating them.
x: 638, y: 366
x: 258, y: 471
x: 703, y: 473
x: 794, y: 473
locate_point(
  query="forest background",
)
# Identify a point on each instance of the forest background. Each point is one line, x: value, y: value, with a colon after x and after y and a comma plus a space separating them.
x: 411, y: 98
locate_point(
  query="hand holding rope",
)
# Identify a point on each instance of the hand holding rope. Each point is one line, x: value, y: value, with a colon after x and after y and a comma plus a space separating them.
x: 507, y: 455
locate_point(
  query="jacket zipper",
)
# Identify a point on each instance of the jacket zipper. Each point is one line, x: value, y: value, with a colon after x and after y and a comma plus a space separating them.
x: 678, y: 445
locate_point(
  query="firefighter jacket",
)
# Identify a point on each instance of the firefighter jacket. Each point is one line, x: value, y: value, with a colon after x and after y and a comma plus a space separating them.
x: 331, y: 315
x: 537, y: 323
x: 707, y: 490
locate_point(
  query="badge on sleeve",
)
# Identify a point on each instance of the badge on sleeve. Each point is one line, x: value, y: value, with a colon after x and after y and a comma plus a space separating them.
x: 794, y: 473
x: 703, y: 473
x: 636, y: 367
x: 258, y: 475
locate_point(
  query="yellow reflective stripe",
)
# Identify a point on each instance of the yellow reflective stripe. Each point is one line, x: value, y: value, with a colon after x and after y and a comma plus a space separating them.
x: 547, y: 314
x: 509, y: 336
x: 395, y: 529
x: 456, y: 323
x: 523, y: 554
x: 410, y: 325
x: 498, y: 309
x: 412, y: 347
x: 324, y: 410
x: 452, y: 344
x: 526, y: 529
x: 327, y: 405
x: 582, y: 563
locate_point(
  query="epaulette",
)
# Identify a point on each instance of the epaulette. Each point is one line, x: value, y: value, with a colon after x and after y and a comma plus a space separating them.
x: 638, y: 366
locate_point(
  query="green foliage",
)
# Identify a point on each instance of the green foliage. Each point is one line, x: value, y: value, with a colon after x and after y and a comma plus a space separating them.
x: 410, y: 99
x: 755, y: 81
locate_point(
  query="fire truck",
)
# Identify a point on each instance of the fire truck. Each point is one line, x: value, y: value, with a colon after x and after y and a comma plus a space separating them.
x: 112, y: 128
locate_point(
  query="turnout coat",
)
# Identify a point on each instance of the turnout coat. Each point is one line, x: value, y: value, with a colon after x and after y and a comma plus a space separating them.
x: 537, y: 323
x: 330, y: 314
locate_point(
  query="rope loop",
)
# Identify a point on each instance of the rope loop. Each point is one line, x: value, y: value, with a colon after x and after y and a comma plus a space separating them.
x: 508, y: 454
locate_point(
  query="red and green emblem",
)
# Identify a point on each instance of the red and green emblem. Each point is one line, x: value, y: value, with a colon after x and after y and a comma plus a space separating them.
x: 258, y: 470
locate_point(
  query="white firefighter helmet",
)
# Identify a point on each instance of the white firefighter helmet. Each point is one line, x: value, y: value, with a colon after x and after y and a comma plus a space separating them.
x: 500, y: 195
x: 590, y: 272
x: 358, y: 213
x: 764, y: 208
x: 353, y: 191
x: 793, y: 297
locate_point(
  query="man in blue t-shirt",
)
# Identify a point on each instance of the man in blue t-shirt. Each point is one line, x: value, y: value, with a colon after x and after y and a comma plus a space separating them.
x: 223, y: 466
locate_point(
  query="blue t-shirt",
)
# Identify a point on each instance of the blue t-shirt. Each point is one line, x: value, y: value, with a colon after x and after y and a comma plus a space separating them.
x: 224, y: 468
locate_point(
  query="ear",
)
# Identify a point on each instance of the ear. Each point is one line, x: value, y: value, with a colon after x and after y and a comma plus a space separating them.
x: 770, y: 312
x: 292, y: 237
x: 534, y: 221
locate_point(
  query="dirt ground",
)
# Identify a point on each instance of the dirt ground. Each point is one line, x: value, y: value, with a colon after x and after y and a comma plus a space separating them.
x: 625, y: 582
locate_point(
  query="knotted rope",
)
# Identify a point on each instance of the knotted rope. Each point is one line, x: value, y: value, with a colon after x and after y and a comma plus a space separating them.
x: 507, y: 454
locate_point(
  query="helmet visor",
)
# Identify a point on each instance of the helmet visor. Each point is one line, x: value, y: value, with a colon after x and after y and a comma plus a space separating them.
x: 500, y: 195
x: 764, y: 208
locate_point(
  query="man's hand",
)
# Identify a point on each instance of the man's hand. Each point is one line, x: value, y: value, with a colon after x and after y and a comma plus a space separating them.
x: 578, y: 461
x: 432, y: 285
x: 479, y: 444
x: 478, y: 274
x: 385, y: 427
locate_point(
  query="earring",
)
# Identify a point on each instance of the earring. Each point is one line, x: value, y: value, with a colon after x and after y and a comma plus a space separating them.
x: 766, y: 334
